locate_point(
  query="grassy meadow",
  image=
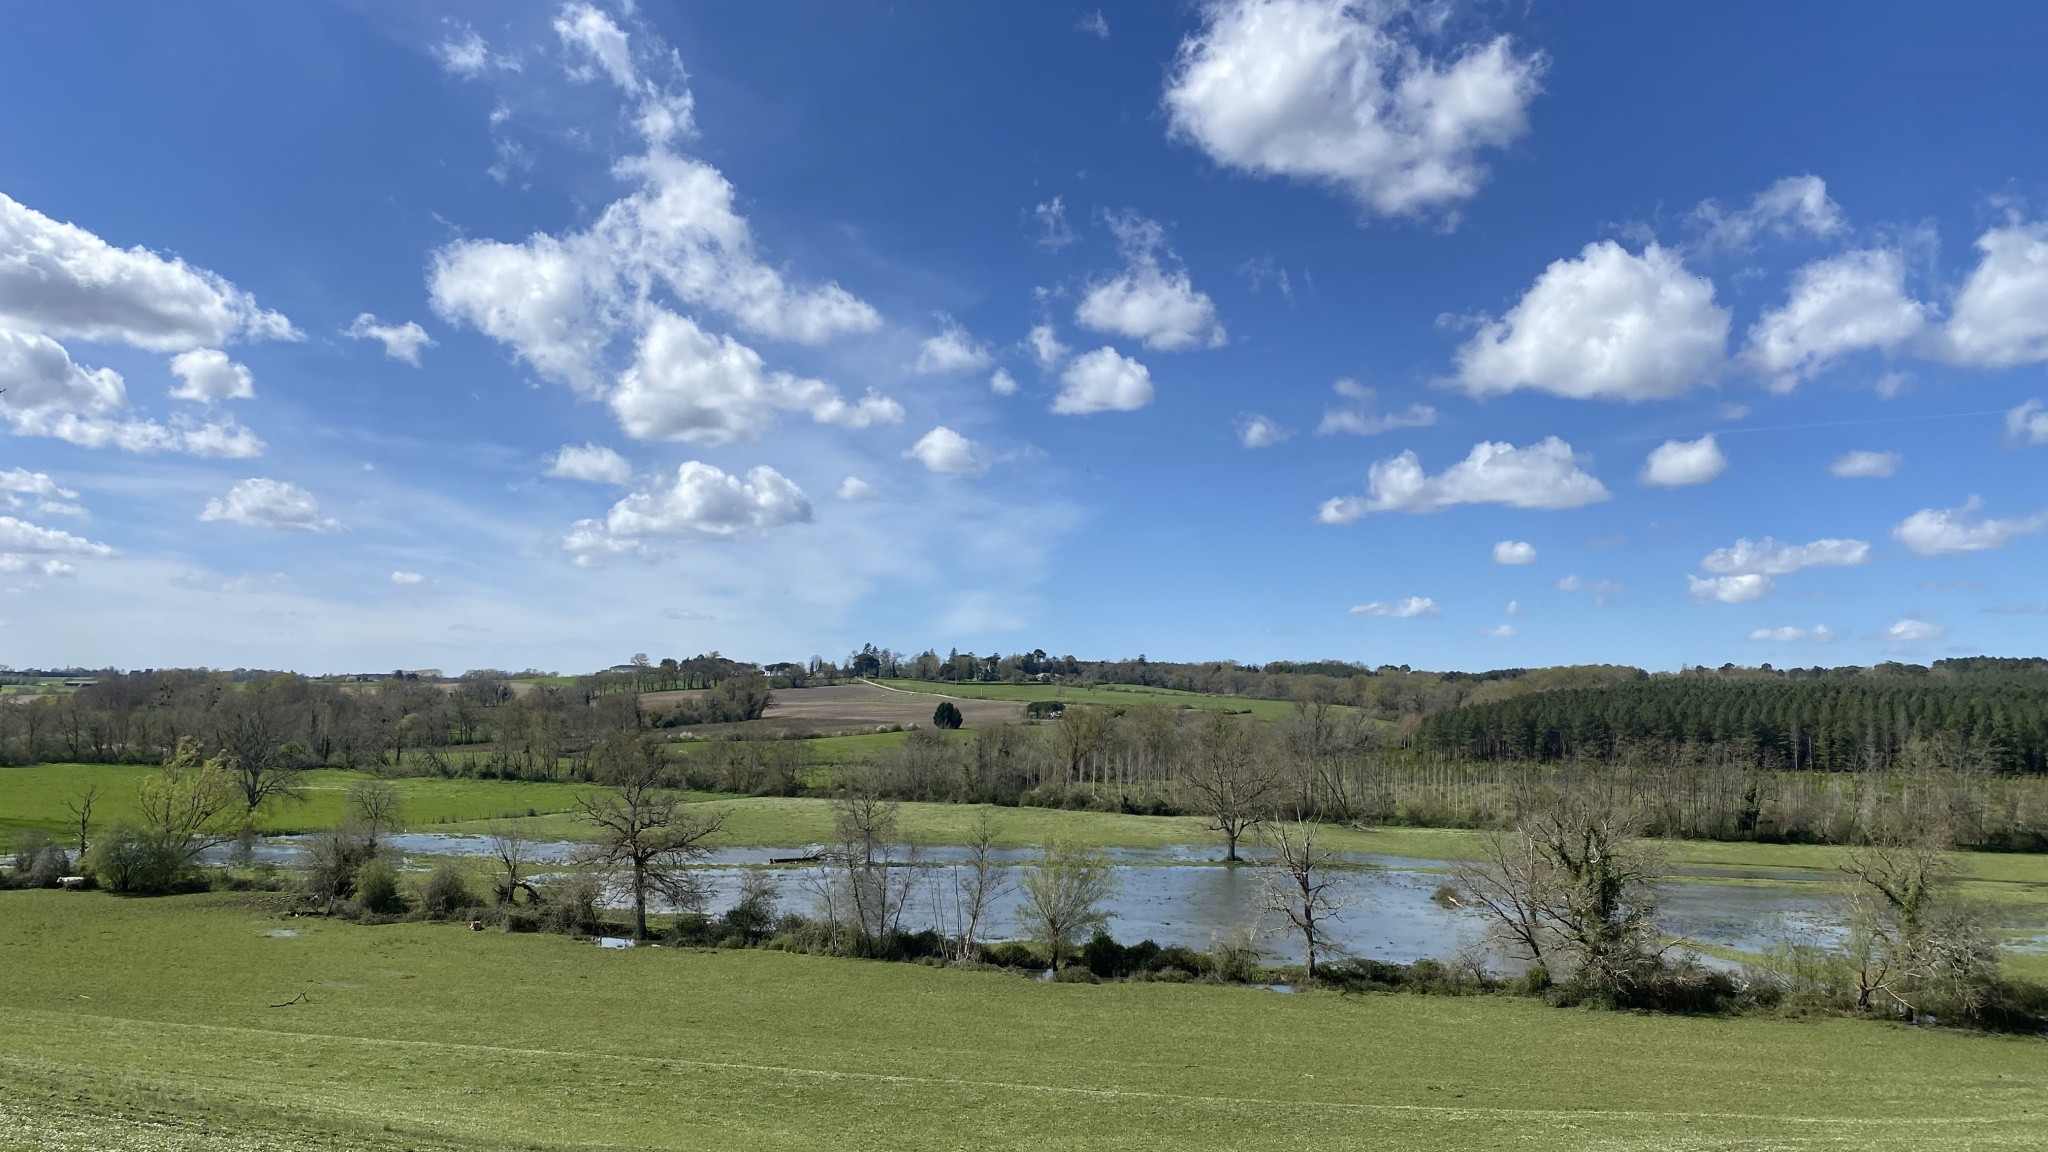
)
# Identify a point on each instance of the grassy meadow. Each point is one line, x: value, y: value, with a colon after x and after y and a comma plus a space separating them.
x: 35, y: 797
x: 148, y: 1024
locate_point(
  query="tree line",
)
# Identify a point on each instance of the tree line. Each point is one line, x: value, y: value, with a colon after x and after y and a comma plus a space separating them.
x: 1842, y: 722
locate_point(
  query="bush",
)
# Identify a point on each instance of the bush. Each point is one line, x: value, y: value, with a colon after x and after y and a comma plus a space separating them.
x: 1012, y: 954
x: 1075, y: 976
x: 50, y: 863
x: 1044, y: 709
x: 570, y: 904
x: 332, y: 860
x: 947, y: 716
x: 446, y: 894
x: 132, y: 862
x: 376, y: 884
x: 753, y: 918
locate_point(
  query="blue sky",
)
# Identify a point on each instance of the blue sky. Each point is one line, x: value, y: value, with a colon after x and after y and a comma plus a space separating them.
x: 1459, y: 336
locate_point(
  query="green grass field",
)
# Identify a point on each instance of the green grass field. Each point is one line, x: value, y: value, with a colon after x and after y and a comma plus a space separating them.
x: 35, y: 798
x: 146, y: 1024
x: 1126, y: 695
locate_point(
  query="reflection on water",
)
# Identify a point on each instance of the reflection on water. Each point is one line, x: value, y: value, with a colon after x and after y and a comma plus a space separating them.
x: 1181, y: 895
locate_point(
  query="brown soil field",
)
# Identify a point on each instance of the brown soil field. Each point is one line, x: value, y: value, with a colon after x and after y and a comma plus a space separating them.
x: 851, y: 707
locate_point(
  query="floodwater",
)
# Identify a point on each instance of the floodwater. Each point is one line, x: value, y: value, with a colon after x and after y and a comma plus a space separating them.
x: 1182, y: 895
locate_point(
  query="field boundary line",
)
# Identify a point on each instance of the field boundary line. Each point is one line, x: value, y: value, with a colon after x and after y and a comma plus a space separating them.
x: 1027, y: 1086
x: 940, y: 695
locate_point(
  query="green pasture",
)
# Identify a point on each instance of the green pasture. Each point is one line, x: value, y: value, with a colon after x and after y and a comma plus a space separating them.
x: 35, y: 797
x: 148, y: 1024
x: 1113, y: 695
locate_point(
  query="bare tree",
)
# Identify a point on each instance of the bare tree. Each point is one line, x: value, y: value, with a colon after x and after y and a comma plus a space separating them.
x: 1602, y: 897
x: 81, y: 815
x: 188, y: 803
x: 1300, y: 887
x: 867, y: 882
x: 1230, y: 781
x: 971, y: 889
x: 376, y: 807
x: 1512, y: 884
x: 643, y: 827
x: 509, y: 846
x: 1575, y: 885
x: 1064, y: 893
x: 254, y: 729
x: 1911, y: 941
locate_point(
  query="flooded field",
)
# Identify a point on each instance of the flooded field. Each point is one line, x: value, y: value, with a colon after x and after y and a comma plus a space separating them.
x: 1183, y: 895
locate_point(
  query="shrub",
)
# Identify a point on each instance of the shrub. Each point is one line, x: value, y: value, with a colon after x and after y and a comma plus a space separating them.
x: 332, y: 860
x: 50, y: 863
x: 30, y: 844
x: 376, y: 884
x: 946, y: 715
x: 1044, y: 709
x: 1075, y: 976
x: 446, y: 894
x: 132, y: 862
x: 1011, y: 954
x: 1235, y: 957
x: 570, y: 904
x: 753, y: 918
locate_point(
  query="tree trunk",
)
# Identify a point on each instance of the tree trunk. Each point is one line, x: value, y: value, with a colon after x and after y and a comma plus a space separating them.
x: 639, y: 901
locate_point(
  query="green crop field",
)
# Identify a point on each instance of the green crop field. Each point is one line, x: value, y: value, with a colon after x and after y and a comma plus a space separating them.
x: 1112, y: 695
x: 148, y: 1024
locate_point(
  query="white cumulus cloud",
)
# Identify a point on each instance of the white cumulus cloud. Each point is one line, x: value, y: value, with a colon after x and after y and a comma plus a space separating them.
x: 1255, y: 431
x: 593, y: 462
x: 1738, y: 589
x: 1408, y: 609
x: 1345, y: 94
x: 1501, y: 631
x: 1864, y: 465
x: 1836, y: 306
x: 1609, y: 325
x: 19, y: 536
x: 1913, y: 631
x: 1002, y: 383
x: 947, y: 451
x: 704, y: 388
x: 701, y: 503
x: 1359, y: 419
x: 401, y: 341
x: 1767, y: 557
x: 1544, y: 475
x: 1046, y: 348
x: 1678, y: 463
x: 1950, y: 531
x: 1818, y: 634
x: 1794, y: 206
x: 1103, y: 381
x: 1514, y: 552
x: 1146, y: 301
x: 406, y: 578
x: 61, y: 281
x: 2000, y: 317
x: 260, y: 502
x: 208, y: 376
x: 2028, y: 424
x: 855, y: 490
x: 952, y: 351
